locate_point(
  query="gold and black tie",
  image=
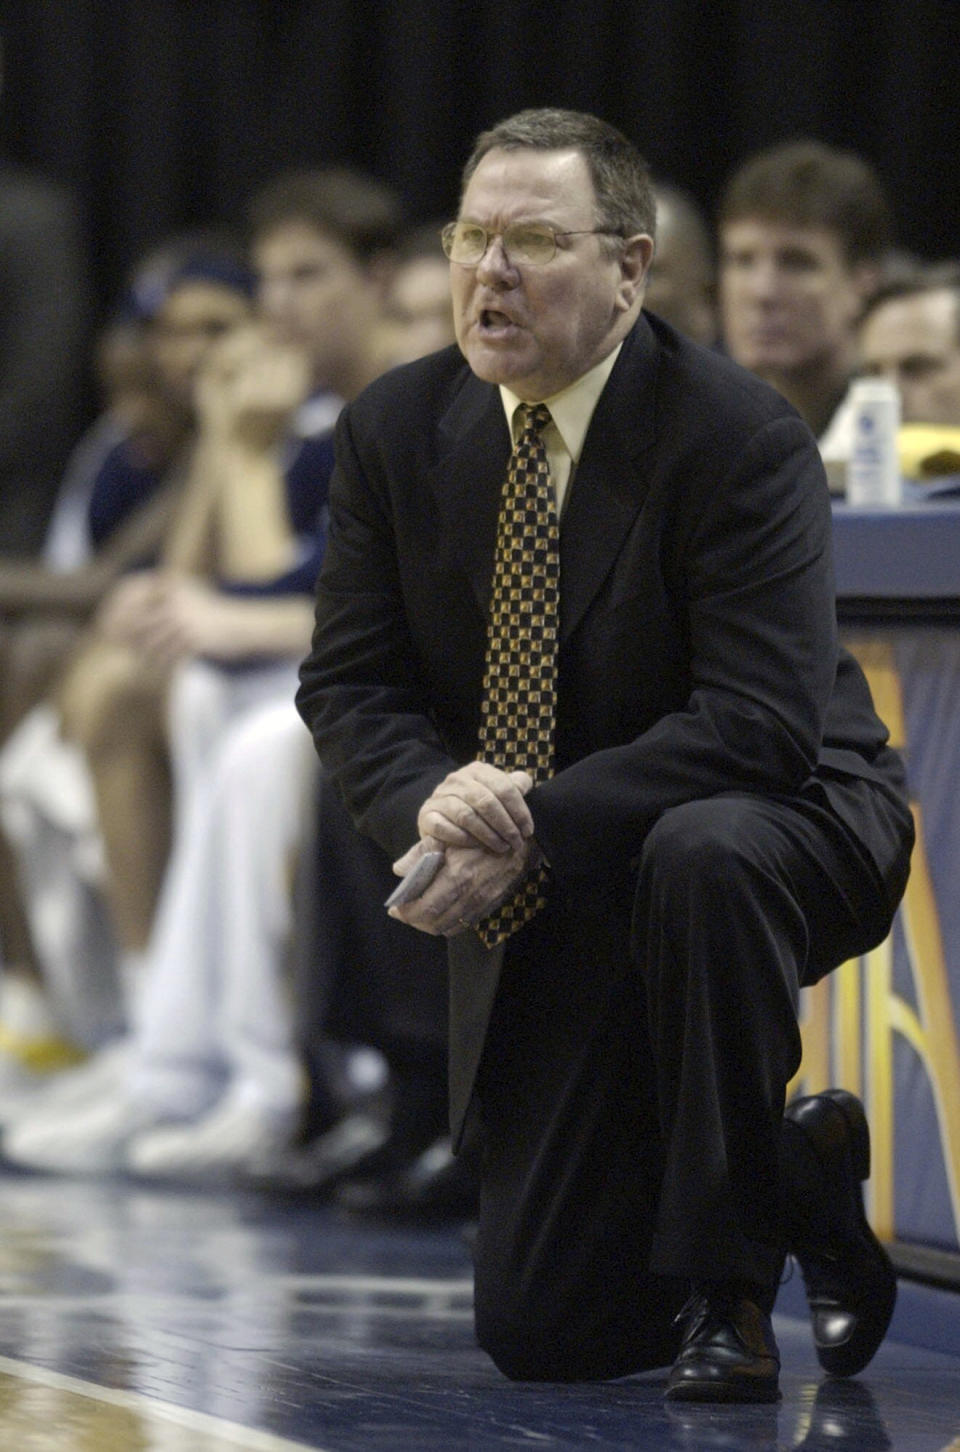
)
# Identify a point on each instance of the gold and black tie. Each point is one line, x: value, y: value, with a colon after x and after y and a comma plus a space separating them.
x: 519, y: 683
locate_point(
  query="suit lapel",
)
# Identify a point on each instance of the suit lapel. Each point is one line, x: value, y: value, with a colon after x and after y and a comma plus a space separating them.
x: 610, y: 484
x: 468, y: 479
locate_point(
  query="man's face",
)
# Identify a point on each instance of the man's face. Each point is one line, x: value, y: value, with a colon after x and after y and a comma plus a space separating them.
x: 915, y: 342
x: 680, y: 284
x: 538, y: 328
x: 417, y: 312
x: 314, y: 294
x: 789, y: 298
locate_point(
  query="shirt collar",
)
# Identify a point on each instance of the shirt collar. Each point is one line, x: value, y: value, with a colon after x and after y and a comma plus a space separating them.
x: 572, y: 408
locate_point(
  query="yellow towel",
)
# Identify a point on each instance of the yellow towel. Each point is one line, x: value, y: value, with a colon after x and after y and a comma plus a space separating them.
x: 927, y: 450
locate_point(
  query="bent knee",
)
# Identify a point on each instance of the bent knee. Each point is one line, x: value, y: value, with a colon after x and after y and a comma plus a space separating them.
x: 700, y: 841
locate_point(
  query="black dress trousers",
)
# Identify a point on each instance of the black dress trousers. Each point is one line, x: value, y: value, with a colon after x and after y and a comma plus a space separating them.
x: 632, y: 1087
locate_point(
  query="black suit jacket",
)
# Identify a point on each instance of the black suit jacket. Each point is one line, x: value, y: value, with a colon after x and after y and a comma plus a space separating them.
x: 698, y: 649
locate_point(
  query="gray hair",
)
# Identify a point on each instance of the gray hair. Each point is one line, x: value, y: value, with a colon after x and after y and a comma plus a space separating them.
x: 625, y: 202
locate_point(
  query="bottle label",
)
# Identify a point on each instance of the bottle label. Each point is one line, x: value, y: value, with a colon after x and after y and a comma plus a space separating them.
x: 873, y: 476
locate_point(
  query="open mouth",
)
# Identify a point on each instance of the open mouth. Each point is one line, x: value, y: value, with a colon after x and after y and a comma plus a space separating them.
x: 491, y: 320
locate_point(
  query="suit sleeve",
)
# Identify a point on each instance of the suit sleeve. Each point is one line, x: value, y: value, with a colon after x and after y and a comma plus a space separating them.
x: 362, y: 692
x: 753, y: 592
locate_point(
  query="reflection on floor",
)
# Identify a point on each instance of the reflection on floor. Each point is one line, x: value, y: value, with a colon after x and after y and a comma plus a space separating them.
x: 137, y: 1319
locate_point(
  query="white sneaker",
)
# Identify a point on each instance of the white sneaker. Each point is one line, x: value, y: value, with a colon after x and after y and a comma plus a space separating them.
x: 100, y: 1077
x: 91, y: 1141
x: 236, y: 1136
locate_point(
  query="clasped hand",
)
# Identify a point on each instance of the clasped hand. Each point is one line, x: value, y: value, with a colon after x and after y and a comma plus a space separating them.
x: 479, y: 817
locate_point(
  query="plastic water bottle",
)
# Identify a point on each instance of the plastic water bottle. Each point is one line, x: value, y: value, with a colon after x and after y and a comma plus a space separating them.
x: 873, y: 474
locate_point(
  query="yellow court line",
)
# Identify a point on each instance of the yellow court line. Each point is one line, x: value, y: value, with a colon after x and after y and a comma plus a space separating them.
x: 223, y: 1436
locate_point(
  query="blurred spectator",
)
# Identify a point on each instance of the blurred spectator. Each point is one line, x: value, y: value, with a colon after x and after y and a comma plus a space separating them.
x: 910, y: 333
x: 116, y: 498
x: 42, y: 612
x: 234, y: 604
x: 322, y: 243
x: 417, y: 313
x: 804, y: 231
x: 114, y: 511
x: 681, y: 284
x: 214, y: 1051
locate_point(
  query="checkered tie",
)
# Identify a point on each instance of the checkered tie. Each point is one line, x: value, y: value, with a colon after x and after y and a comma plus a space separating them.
x: 519, y: 681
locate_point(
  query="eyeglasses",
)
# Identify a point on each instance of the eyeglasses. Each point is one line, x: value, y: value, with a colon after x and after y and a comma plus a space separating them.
x: 466, y: 242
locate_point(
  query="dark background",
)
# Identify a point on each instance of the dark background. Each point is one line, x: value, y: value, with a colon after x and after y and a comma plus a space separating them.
x: 165, y: 113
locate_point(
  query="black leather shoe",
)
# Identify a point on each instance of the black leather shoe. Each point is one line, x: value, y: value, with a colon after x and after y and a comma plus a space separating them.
x: 728, y: 1352
x: 850, y: 1281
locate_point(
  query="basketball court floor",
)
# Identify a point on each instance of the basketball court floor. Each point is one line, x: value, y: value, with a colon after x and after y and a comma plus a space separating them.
x: 148, y: 1319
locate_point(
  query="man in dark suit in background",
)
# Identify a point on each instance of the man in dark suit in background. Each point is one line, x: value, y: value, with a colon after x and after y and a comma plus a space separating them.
x: 721, y: 822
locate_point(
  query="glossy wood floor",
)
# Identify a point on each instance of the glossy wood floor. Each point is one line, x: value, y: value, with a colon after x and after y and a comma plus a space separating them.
x: 140, y: 1319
